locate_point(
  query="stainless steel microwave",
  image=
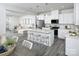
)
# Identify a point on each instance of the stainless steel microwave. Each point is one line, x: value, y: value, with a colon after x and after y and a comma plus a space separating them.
x: 54, y: 21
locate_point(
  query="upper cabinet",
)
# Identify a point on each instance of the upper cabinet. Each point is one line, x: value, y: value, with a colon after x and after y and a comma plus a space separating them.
x: 48, y: 16
x: 61, y: 18
x: 55, y: 14
x: 41, y: 17
x: 66, y: 18
x: 76, y: 13
x: 48, y: 19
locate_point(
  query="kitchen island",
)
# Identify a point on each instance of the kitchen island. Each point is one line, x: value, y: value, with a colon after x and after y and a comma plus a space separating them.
x: 43, y: 36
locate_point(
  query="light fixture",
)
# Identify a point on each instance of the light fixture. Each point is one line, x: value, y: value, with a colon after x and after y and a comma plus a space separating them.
x: 37, y: 6
x: 46, y: 3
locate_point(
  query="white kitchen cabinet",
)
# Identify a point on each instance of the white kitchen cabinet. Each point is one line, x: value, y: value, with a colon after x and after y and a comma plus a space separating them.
x: 55, y: 14
x: 72, y: 46
x: 48, y: 19
x: 66, y: 18
x: 41, y: 37
x: 49, y: 16
x: 61, y: 19
x: 76, y: 13
x: 41, y: 17
x: 62, y: 33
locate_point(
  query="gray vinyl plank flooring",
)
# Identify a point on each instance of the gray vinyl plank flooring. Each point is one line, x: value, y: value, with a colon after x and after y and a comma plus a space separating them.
x: 57, y: 49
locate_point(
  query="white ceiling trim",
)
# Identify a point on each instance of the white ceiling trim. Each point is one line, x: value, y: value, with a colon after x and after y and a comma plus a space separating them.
x: 37, y: 8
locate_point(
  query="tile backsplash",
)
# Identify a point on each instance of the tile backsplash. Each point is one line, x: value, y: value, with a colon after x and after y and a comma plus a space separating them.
x: 66, y: 26
x: 77, y: 27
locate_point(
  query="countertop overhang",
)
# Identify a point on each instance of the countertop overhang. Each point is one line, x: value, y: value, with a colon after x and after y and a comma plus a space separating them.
x: 38, y: 30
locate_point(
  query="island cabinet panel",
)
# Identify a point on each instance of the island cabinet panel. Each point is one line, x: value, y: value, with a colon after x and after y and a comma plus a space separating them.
x: 72, y: 46
x: 41, y: 37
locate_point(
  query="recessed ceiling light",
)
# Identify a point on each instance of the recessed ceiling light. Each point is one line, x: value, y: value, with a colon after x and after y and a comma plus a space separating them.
x: 46, y: 3
x: 37, y: 6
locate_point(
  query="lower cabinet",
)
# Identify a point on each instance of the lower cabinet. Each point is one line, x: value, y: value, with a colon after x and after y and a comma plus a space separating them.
x: 72, y: 46
x: 62, y: 33
x: 43, y: 38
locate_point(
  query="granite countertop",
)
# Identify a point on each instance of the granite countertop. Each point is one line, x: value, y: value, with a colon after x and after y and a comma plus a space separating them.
x: 75, y: 37
x: 73, y: 34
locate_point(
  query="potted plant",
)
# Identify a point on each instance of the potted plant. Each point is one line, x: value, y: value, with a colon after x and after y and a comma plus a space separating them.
x: 9, y: 42
x: 10, y: 45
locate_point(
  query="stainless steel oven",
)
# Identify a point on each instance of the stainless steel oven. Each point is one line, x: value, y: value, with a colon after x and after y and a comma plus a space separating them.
x: 55, y: 28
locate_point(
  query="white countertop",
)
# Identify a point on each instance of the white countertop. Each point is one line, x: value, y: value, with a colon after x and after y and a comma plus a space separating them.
x: 72, y: 36
x: 37, y: 30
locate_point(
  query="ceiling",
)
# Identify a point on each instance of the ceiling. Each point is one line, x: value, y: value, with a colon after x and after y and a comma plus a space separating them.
x: 40, y: 7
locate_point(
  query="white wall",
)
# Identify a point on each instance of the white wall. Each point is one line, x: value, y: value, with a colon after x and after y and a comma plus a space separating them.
x: 16, y: 15
x: 12, y: 21
x: 2, y: 20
